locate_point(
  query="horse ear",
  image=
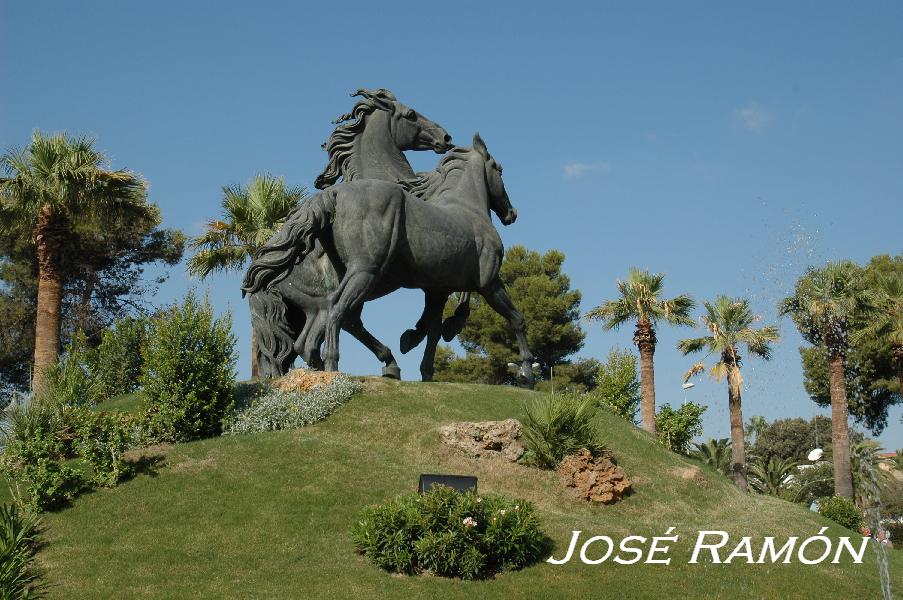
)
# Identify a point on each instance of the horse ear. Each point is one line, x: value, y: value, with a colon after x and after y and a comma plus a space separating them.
x: 480, y: 146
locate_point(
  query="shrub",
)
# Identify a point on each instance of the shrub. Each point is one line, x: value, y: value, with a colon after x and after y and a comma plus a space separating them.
x: 558, y: 425
x: 895, y: 534
x: 677, y: 427
x: 275, y: 409
x: 70, y: 381
x: 811, y: 483
x: 842, y: 511
x: 450, y: 534
x: 188, y: 371
x: 102, y: 440
x: 18, y: 539
x: 116, y: 364
x: 35, y: 470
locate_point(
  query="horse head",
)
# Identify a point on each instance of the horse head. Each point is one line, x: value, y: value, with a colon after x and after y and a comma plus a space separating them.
x: 410, y: 129
x: 369, y: 141
x: 499, y: 202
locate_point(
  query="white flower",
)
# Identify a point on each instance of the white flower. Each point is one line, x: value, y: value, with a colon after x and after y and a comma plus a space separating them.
x: 517, y: 507
x: 479, y: 500
x: 469, y: 522
x: 502, y: 511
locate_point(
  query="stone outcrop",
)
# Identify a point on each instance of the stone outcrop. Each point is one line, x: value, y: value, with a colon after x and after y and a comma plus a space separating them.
x: 485, y: 439
x: 597, y: 480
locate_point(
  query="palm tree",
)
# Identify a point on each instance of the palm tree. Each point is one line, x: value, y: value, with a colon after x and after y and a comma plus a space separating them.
x: 755, y: 427
x: 824, y: 303
x: 715, y: 453
x: 251, y: 215
x: 868, y: 476
x: 641, y: 301
x: 45, y: 189
x: 897, y: 461
x: 772, y: 477
x: 729, y: 321
x: 884, y: 307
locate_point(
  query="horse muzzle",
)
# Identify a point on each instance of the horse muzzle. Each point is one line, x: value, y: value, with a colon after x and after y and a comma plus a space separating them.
x: 510, y: 217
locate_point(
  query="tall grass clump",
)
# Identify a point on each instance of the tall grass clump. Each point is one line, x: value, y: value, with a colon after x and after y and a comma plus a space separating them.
x: 18, y: 543
x: 558, y: 425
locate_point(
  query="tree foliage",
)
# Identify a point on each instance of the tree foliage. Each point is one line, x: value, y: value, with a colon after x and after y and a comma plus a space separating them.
x: 792, y: 439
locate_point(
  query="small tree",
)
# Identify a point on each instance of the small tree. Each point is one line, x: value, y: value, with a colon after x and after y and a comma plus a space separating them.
x: 617, y: 384
x: 188, y: 372
x: 677, y: 427
x: 641, y: 301
x: 729, y: 321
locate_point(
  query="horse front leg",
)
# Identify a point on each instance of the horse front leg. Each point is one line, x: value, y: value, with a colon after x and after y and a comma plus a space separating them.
x: 497, y: 297
x: 432, y: 313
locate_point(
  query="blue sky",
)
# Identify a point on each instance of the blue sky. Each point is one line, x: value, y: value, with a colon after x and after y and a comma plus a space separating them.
x: 726, y: 144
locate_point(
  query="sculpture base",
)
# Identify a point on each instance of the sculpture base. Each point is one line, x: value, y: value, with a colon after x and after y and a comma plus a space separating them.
x: 392, y: 372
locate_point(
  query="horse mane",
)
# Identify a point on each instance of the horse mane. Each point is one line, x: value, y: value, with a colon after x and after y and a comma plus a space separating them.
x: 427, y: 185
x: 341, y: 143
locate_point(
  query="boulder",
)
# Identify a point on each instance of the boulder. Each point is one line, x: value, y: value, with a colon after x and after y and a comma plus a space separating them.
x: 485, y: 439
x: 597, y: 480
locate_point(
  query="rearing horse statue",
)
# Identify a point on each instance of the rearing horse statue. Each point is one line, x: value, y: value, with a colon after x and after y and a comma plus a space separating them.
x: 368, y: 143
x: 379, y: 237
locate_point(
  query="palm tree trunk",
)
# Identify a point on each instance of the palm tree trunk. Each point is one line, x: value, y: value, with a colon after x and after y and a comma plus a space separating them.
x: 738, y: 443
x: 49, y: 301
x: 255, y: 370
x: 840, y: 436
x: 644, y: 338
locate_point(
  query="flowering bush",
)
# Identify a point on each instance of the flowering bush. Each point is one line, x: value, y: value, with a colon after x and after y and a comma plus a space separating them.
x: 451, y: 534
x: 275, y: 409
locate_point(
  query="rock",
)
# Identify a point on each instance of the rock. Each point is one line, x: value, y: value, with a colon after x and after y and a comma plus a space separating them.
x: 597, y: 480
x: 485, y: 439
x: 691, y: 473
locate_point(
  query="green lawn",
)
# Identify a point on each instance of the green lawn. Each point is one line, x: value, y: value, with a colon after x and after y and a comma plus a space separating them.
x: 269, y: 515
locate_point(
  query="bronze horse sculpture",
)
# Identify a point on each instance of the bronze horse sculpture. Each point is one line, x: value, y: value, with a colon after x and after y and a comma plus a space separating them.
x: 367, y: 144
x: 379, y: 237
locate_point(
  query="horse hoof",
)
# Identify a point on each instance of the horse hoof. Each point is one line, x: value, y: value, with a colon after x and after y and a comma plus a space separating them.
x: 392, y: 372
x: 408, y: 341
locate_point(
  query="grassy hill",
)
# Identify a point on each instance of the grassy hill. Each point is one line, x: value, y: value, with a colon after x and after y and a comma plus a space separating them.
x: 269, y: 515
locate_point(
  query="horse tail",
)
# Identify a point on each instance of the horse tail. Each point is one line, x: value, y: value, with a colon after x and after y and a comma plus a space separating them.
x: 291, y: 243
x: 275, y: 336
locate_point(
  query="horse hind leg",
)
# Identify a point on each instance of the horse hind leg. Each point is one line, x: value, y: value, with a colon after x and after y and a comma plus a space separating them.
x: 435, y: 303
x: 355, y: 326
x: 353, y: 291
